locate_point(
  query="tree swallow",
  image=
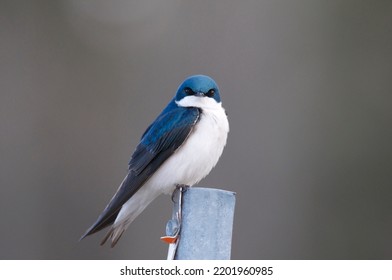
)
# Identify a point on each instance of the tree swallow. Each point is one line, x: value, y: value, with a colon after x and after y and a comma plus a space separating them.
x: 180, y: 147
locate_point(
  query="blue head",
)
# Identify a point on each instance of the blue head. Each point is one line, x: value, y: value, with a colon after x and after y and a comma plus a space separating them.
x: 198, y: 86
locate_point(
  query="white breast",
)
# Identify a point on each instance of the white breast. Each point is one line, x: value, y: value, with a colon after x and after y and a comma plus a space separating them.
x: 201, y: 151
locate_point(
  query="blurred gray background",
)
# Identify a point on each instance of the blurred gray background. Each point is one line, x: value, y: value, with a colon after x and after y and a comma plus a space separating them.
x: 307, y: 86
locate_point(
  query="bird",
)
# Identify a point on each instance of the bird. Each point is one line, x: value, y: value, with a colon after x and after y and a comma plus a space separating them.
x: 180, y: 147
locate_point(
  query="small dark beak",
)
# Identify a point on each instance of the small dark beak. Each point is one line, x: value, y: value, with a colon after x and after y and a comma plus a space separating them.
x: 200, y: 94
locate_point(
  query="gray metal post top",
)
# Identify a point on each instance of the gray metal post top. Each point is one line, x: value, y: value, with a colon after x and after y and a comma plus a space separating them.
x: 206, y: 224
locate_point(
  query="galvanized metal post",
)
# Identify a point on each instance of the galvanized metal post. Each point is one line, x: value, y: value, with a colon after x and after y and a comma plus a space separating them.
x: 203, y: 220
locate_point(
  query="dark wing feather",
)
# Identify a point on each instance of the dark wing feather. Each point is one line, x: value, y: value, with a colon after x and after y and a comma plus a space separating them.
x: 158, y: 143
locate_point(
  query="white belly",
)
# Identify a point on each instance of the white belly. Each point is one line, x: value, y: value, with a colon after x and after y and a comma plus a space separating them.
x: 200, y: 153
x: 188, y: 165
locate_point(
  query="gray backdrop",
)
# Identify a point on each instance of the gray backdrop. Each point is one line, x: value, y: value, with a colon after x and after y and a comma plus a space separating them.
x: 307, y: 86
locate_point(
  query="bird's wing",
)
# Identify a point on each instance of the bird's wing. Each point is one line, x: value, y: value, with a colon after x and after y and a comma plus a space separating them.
x: 161, y: 139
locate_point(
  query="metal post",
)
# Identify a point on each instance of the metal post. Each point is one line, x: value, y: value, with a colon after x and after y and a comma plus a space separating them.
x: 205, y: 218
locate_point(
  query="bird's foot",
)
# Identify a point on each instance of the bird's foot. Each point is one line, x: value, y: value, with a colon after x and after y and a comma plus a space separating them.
x: 179, y: 187
x: 182, y: 186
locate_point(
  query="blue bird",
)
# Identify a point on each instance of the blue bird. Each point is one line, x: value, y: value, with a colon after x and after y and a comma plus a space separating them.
x: 180, y: 147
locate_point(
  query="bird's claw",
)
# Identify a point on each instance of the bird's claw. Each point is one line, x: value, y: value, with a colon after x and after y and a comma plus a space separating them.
x: 179, y: 187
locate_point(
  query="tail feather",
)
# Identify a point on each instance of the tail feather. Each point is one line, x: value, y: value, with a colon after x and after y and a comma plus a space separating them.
x: 114, y: 234
x: 99, y: 225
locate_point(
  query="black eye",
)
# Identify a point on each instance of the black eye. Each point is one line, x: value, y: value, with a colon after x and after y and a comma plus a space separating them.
x: 210, y: 93
x: 188, y: 91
